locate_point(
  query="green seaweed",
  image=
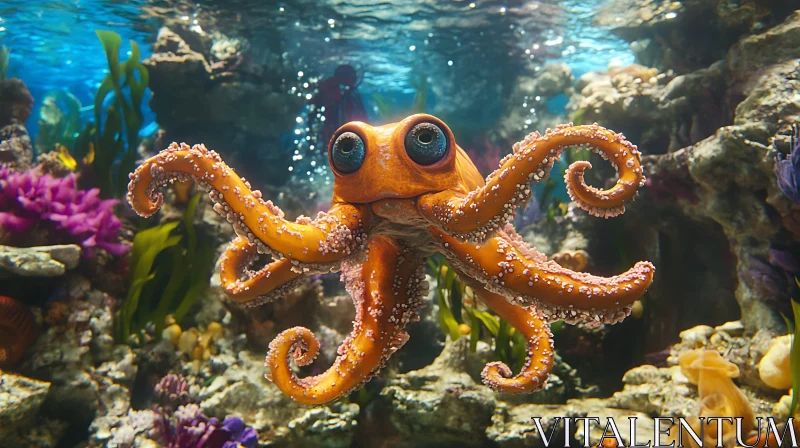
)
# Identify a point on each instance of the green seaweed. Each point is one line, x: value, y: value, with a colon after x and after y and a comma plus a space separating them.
x: 147, y: 244
x: 5, y: 56
x: 117, y: 138
x: 794, y: 353
x: 577, y: 117
x: 510, y: 345
x: 388, y: 111
x: 444, y: 286
x: 420, y: 84
x: 168, y: 275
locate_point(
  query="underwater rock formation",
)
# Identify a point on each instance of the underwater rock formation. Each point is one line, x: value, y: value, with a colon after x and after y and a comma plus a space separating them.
x: 16, y: 150
x: 526, y: 105
x: 686, y: 36
x: 41, y: 261
x: 242, y: 389
x: 717, y: 179
x: 90, y: 378
x: 16, y: 103
x: 21, y: 400
x: 240, y: 108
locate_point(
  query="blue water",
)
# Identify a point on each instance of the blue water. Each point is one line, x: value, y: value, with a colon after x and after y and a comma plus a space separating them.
x: 468, y: 46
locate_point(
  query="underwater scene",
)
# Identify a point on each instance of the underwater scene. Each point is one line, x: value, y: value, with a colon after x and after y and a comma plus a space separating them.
x: 397, y: 223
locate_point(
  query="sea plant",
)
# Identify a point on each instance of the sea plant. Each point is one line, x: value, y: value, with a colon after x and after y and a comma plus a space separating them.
x: 168, y: 271
x: 115, y: 139
x: 509, y: 344
x: 35, y: 202
x: 5, y: 56
x: 794, y: 352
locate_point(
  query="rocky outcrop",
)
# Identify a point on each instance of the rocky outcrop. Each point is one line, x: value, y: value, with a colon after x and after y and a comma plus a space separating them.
x: 41, y: 261
x: 207, y: 89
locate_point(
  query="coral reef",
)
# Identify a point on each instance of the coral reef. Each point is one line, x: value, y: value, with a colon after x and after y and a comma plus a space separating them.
x: 16, y: 151
x: 55, y: 209
x: 188, y: 427
x: 16, y: 102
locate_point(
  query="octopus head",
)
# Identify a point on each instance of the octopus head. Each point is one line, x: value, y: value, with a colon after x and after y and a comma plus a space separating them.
x: 403, y: 160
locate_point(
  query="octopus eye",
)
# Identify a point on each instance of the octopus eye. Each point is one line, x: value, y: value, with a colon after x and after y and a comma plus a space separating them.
x: 426, y: 144
x: 348, y: 153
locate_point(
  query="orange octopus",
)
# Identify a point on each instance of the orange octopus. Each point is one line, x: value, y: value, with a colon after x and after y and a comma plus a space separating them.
x: 403, y: 192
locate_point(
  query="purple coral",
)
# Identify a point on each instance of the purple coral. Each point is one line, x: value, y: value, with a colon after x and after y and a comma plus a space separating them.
x: 173, y: 389
x: 786, y: 170
x: 239, y: 435
x: 188, y: 427
x: 30, y: 199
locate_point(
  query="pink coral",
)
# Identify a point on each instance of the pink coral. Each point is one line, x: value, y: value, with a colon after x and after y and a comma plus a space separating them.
x: 31, y: 199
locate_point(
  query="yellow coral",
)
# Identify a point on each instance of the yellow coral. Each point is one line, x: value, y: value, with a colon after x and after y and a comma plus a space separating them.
x: 719, y: 396
x: 774, y: 366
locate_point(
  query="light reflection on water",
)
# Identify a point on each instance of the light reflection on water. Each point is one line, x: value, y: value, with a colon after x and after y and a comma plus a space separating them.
x: 55, y: 46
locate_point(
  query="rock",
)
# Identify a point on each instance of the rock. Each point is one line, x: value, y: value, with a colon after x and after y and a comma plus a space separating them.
x: 687, y: 35
x: 20, y: 400
x: 275, y: 416
x: 41, y: 261
x: 547, y: 82
x: 129, y: 430
x: 628, y: 100
x: 776, y: 45
x: 16, y: 102
x: 16, y: 150
x: 234, y: 108
x: 512, y: 427
x: 329, y: 427
x: 696, y: 336
x: 90, y: 377
x: 440, y: 403
x: 733, y: 328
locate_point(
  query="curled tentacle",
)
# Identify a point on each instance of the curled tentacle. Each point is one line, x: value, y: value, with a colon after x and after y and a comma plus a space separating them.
x: 270, y: 282
x: 476, y: 216
x: 536, y: 331
x: 387, y: 291
x: 508, y: 266
x: 330, y: 237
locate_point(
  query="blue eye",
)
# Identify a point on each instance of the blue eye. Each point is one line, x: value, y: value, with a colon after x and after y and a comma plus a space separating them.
x: 348, y: 153
x: 426, y: 144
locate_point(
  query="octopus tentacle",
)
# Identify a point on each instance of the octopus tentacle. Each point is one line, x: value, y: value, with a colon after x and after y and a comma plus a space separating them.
x: 329, y: 238
x: 387, y: 290
x: 507, y: 266
x: 534, y: 328
x: 476, y: 216
x: 269, y: 283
